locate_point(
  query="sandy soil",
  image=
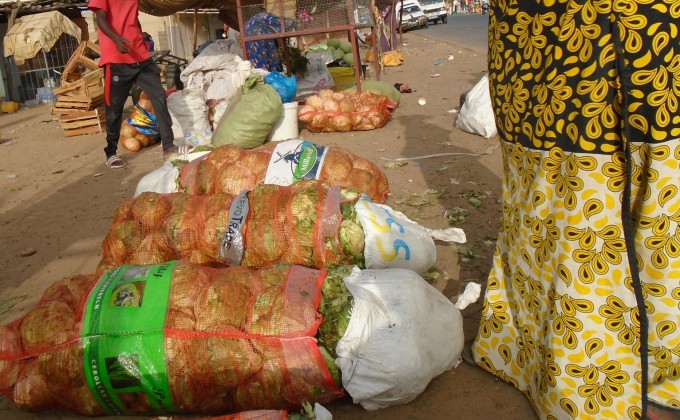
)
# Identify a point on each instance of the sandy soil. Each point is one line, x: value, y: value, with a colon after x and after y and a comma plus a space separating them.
x: 57, y: 200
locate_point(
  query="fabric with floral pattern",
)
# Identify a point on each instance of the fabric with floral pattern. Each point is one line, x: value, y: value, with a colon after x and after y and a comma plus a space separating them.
x: 264, y: 54
x: 582, y: 306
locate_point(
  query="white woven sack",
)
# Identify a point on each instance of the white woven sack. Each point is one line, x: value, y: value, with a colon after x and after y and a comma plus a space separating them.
x: 189, y: 113
x: 402, y: 333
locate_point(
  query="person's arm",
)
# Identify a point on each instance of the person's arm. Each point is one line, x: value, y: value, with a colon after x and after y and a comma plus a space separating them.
x: 103, y: 24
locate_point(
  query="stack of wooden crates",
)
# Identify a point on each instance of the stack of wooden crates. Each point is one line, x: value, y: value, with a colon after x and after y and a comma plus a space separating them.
x: 80, y: 103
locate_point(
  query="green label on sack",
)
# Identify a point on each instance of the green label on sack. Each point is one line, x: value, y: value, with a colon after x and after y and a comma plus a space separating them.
x: 293, y: 160
x: 308, y: 161
x: 124, y: 357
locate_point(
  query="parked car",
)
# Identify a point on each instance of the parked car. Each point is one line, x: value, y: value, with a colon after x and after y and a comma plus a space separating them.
x: 435, y: 10
x: 412, y: 15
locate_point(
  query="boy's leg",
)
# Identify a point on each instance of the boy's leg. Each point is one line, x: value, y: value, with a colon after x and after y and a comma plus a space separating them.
x: 118, y: 80
x: 149, y: 80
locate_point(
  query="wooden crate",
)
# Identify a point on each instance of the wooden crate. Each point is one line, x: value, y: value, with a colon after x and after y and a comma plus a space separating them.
x: 83, y: 122
x: 80, y: 98
x: 79, y: 60
x: 88, y: 85
x: 71, y: 104
x: 84, y: 94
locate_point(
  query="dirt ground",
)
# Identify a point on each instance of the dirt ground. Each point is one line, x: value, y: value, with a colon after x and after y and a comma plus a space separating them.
x: 57, y: 200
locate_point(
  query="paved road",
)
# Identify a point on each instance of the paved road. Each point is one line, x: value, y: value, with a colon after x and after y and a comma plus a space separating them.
x: 465, y: 30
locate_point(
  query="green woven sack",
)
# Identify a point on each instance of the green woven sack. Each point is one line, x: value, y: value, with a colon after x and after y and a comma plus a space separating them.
x: 250, y: 116
x: 379, y: 87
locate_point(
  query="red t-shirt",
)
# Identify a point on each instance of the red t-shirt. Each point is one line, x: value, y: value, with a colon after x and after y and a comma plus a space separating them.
x: 123, y: 17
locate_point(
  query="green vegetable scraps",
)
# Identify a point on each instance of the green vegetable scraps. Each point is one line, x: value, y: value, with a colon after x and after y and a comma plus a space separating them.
x: 394, y: 165
x: 430, y: 275
x: 419, y: 200
x: 336, y: 310
x: 474, y: 198
x: 352, y: 236
x: 456, y: 215
x: 307, y: 412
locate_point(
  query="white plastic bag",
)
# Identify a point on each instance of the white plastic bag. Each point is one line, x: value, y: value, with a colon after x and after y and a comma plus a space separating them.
x: 163, y: 180
x: 476, y: 115
x: 403, y: 332
x: 318, y: 77
x: 394, y: 240
x: 160, y: 180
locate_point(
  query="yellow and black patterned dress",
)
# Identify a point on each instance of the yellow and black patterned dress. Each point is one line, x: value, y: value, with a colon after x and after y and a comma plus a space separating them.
x: 582, y: 307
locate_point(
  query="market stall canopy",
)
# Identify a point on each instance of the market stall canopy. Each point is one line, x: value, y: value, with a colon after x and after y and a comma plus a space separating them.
x: 227, y: 8
x: 33, y: 33
x: 37, y: 6
x: 168, y: 7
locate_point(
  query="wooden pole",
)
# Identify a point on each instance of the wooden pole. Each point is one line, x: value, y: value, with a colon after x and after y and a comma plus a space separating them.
x: 195, y: 29
x: 401, y: 13
x: 8, y: 68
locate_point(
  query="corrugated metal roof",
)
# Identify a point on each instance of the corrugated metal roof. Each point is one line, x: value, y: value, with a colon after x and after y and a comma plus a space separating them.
x: 154, y: 7
x: 39, y: 5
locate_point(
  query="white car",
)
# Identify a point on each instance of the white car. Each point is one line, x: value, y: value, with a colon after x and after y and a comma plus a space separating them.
x: 412, y: 15
x: 435, y: 10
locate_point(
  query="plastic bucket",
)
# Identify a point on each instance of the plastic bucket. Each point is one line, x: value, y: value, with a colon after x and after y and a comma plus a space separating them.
x: 287, y: 126
x: 9, y: 107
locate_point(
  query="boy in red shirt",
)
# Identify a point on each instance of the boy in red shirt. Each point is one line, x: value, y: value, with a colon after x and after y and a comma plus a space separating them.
x: 126, y: 60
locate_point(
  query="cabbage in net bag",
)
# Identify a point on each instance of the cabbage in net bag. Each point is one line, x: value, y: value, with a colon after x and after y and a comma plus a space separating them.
x: 300, y: 224
x: 177, y: 338
x: 231, y: 169
x: 306, y: 223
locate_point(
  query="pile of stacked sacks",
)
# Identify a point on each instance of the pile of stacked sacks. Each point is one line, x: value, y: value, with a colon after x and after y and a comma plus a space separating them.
x: 285, y: 287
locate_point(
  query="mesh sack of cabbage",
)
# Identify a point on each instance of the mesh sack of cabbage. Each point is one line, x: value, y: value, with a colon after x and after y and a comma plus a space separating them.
x: 330, y: 111
x: 306, y: 223
x: 230, y: 169
x: 182, y: 338
x: 308, y: 412
x: 246, y: 415
x: 178, y: 338
x: 299, y: 224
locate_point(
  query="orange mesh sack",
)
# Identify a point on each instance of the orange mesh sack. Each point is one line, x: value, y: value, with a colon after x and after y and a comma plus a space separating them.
x: 230, y: 169
x: 308, y: 412
x: 172, y: 338
x: 245, y: 415
x: 330, y: 111
x: 300, y: 224
x: 306, y: 223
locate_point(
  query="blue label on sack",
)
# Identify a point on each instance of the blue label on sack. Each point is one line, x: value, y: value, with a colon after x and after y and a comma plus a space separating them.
x: 144, y: 121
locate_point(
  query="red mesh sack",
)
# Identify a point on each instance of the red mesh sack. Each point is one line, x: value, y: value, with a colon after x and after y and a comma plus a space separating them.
x: 299, y: 224
x: 230, y: 169
x: 171, y: 338
x: 245, y: 415
x: 330, y: 111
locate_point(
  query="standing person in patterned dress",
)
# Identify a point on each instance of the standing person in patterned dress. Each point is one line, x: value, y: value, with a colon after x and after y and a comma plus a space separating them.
x: 582, y: 306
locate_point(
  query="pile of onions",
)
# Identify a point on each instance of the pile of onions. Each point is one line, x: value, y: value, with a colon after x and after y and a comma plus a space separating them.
x: 330, y: 111
x: 131, y: 138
